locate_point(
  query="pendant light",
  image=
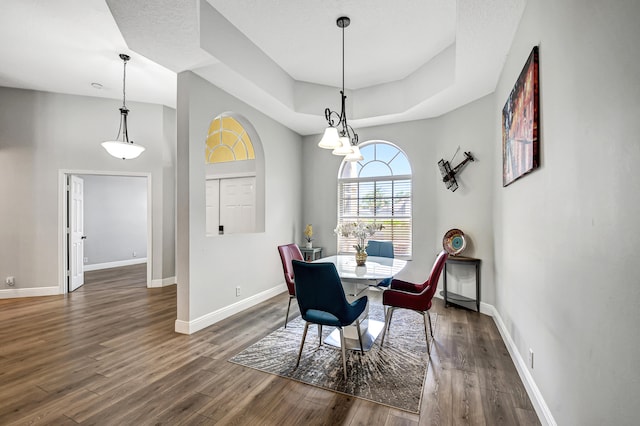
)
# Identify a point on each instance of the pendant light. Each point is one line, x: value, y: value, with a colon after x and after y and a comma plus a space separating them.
x: 124, y: 148
x: 339, y: 136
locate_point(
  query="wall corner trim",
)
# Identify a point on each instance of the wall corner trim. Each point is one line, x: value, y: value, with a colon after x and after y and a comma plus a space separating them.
x: 162, y: 282
x: 541, y: 407
x: 190, y: 327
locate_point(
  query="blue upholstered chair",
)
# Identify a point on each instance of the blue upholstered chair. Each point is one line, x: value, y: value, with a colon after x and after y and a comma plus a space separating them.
x: 322, y: 301
x: 381, y: 249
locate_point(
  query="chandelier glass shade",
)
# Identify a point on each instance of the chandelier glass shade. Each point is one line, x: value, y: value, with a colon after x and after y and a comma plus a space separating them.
x: 330, y: 139
x: 356, y: 155
x: 344, y: 148
x: 339, y: 136
x: 123, y: 148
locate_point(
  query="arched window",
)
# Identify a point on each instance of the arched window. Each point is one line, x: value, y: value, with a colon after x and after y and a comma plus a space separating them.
x: 227, y: 140
x: 377, y: 190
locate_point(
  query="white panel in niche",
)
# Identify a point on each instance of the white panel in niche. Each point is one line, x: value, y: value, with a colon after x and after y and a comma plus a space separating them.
x: 212, y: 206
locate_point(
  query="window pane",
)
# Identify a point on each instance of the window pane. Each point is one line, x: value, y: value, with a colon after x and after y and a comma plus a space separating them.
x: 375, y: 168
x: 385, y: 153
x: 400, y: 165
x: 373, y: 196
x: 368, y: 152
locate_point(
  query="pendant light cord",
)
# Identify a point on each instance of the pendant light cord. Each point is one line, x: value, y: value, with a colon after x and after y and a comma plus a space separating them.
x: 124, y: 111
x: 343, y: 61
x: 124, y: 82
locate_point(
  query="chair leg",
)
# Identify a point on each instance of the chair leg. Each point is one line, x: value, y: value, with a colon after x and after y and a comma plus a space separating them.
x: 286, y: 318
x: 344, y: 356
x: 425, y: 315
x: 304, y: 336
x: 359, y: 336
x: 319, y: 334
x: 430, y: 327
x: 387, y: 323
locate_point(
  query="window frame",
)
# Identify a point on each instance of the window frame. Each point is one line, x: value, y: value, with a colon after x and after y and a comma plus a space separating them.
x: 343, y: 244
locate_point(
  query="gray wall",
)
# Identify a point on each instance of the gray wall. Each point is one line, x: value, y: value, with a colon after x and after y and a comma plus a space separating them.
x: 567, y: 235
x: 43, y: 133
x: 115, y: 218
x: 209, y: 268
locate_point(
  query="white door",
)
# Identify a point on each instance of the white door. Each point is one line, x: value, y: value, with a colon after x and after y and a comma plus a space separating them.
x: 76, y: 233
x: 238, y: 205
x: 213, y: 206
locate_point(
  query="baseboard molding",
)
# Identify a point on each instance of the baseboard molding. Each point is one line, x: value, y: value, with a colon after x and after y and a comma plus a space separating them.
x: 190, y: 327
x: 541, y: 407
x: 116, y: 264
x: 11, y: 293
x: 485, y: 308
x: 162, y: 282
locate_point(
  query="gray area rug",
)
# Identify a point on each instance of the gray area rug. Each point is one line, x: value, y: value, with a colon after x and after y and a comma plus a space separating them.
x: 392, y: 375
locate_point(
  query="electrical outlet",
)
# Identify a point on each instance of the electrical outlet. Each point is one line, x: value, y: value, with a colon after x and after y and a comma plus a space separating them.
x: 86, y: 260
x: 134, y: 254
x: 531, y: 358
x: 11, y: 281
x: 237, y: 291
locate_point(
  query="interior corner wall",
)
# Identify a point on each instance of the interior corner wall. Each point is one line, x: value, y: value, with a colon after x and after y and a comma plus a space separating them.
x: 469, y: 208
x: 435, y: 209
x: 567, y: 234
x: 42, y: 133
x: 210, y: 268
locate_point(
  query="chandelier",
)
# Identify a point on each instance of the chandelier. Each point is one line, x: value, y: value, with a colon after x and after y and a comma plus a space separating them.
x: 339, y: 136
x: 124, y: 148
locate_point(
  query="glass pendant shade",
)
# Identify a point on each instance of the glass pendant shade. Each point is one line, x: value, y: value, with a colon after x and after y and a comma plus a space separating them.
x: 356, y: 155
x: 124, y: 150
x: 344, y: 148
x: 330, y: 139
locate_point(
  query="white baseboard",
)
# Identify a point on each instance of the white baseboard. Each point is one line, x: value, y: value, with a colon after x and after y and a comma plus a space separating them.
x: 116, y: 264
x: 485, y: 308
x: 11, y: 293
x: 190, y: 327
x: 541, y: 407
x: 162, y: 282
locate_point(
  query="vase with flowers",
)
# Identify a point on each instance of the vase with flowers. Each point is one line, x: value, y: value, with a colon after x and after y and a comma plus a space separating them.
x: 308, y: 233
x: 360, y: 231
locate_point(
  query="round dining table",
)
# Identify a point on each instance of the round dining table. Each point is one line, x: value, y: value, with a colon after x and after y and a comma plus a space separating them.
x: 356, y: 280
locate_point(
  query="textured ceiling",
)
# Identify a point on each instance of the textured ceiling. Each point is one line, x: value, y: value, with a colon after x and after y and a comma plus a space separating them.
x: 404, y: 60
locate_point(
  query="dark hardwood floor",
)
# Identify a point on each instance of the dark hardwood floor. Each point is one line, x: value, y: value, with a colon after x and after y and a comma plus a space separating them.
x: 107, y: 354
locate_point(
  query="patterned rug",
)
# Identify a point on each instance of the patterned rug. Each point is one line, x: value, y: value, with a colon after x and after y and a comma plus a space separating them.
x: 392, y: 375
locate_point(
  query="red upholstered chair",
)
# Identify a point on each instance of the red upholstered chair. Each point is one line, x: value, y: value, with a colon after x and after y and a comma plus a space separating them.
x: 288, y: 252
x: 416, y: 297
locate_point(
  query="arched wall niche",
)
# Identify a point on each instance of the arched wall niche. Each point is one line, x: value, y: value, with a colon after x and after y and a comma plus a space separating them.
x: 234, y: 163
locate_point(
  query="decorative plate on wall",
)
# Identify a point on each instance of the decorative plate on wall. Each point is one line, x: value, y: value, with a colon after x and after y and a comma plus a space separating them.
x: 454, y: 242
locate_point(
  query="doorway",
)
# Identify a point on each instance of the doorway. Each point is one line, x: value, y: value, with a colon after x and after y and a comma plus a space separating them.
x: 117, y: 213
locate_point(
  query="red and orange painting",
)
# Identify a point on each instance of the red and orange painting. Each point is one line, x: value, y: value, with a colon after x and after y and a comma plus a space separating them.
x: 520, y: 121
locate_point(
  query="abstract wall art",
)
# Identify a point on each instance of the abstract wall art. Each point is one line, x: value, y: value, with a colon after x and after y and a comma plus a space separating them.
x: 520, y: 124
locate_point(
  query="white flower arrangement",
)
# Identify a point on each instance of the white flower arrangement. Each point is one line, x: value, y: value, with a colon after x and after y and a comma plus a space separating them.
x: 359, y: 230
